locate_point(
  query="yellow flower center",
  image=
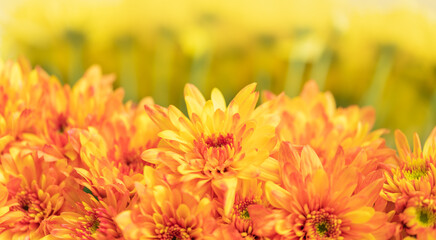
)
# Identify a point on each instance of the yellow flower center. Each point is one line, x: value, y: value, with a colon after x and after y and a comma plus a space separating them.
x: 95, y: 222
x: 426, y: 217
x: 240, y: 208
x: 322, y: 225
x: 415, y: 169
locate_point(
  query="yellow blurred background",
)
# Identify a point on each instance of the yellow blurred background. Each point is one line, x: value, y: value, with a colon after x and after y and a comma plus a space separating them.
x: 378, y: 53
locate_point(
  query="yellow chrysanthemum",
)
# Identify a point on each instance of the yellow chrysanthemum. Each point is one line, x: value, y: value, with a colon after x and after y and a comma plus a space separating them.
x: 215, y: 147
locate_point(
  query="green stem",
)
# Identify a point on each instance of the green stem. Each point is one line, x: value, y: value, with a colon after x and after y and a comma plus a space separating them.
x: 128, y: 75
x: 321, y: 67
x: 294, y: 78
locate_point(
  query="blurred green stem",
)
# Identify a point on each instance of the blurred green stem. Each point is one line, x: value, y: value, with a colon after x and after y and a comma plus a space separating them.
x: 321, y: 67
x: 294, y: 77
x: 263, y: 80
x: 199, y: 68
x: 164, y: 57
x: 128, y: 77
x: 374, y: 94
x: 76, y: 42
x: 431, y: 122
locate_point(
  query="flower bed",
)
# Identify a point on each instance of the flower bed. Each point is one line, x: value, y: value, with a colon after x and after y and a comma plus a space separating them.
x: 79, y: 163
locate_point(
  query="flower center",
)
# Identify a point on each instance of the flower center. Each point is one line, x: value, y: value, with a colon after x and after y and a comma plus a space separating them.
x: 322, y: 224
x: 62, y: 123
x: 426, y: 217
x: 219, y: 141
x: 31, y: 206
x: 174, y: 232
x: 241, y: 219
x: 415, y: 169
x: 95, y: 222
x: 216, y: 153
x: 240, y: 208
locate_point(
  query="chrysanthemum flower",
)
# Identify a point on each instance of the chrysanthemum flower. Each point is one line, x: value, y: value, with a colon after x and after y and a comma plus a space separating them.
x: 165, y: 213
x: 418, y: 216
x: 215, y: 147
x: 314, y: 204
x: 248, y: 192
x: 20, y: 94
x: 313, y: 119
x: 415, y: 171
x: 88, y: 217
x: 31, y: 194
x: 129, y: 136
x: 91, y: 102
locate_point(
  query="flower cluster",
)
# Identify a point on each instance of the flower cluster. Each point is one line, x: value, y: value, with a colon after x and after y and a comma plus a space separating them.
x: 79, y: 163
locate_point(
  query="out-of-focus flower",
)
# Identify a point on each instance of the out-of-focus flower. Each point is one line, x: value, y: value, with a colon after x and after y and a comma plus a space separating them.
x: 313, y: 119
x: 312, y: 203
x: 31, y: 194
x: 20, y: 93
x: 165, y: 213
x: 215, y: 147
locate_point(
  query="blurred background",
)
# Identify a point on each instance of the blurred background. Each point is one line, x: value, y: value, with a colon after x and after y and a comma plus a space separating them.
x: 378, y: 53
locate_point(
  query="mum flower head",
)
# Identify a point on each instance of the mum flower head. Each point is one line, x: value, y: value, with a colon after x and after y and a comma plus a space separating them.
x: 311, y: 203
x: 415, y: 170
x: 216, y: 145
x: 30, y: 193
x: 87, y: 216
x: 410, y: 187
x: 240, y: 224
x: 167, y: 213
x: 312, y: 118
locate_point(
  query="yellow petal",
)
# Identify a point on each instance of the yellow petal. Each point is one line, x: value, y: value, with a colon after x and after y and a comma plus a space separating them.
x: 361, y: 215
x: 277, y: 196
x: 228, y: 187
x: 218, y: 100
x: 194, y: 99
x: 182, y: 211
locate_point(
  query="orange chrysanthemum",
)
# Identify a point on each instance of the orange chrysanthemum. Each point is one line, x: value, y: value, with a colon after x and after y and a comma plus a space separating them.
x: 248, y: 192
x: 415, y: 171
x: 418, y: 216
x: 30, y: 193
x: 217, y: 145
x: 313, y: 119
x: 21, y: 93
x: 314, y: 204
x: 87, y: 217
x: 166, y: 214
